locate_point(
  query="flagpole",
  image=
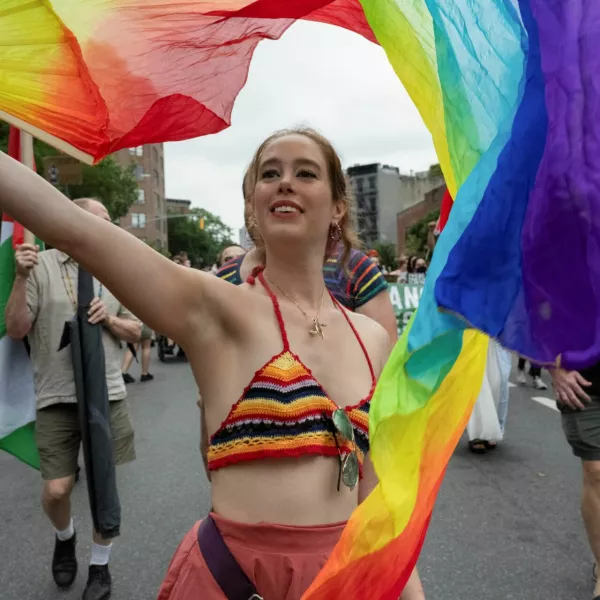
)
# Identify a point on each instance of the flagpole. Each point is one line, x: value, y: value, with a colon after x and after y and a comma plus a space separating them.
x: 28, y: 161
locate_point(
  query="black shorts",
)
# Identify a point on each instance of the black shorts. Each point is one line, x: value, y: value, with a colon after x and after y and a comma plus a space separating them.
x: 582, y: 429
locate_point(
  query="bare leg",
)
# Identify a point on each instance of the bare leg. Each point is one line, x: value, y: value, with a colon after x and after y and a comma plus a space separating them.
x: 414, y: 589
x: 146, y: 350
x: 127, y: 360
x: 590, y: 508
x: 56, y: 500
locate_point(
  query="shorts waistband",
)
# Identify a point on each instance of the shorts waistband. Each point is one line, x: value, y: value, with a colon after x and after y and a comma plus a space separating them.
x: 285, y: 539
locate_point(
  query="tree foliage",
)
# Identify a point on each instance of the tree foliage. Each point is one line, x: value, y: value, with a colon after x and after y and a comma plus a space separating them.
x: 387, y: 255
x: 109, y: 182
x: 416, y: 239
x: 435, y: 170
x: 202, y: 245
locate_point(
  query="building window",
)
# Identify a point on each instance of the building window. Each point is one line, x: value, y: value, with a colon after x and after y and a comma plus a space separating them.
x: 139, y: 172
x: 141, y: 199
x: 138, y: 220
x: 359, y: 185
x: 372, y: 182
x: 137, y: 151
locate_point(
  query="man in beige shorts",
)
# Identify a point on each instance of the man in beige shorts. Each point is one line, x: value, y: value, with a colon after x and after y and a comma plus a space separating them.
x: 43, y: 299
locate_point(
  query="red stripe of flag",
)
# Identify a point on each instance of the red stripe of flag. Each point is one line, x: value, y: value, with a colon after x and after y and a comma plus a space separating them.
x: 445, y: 209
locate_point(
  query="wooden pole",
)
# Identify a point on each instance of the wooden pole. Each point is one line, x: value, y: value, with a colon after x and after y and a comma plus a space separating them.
x: 27, y: 160
x: 46, y: 137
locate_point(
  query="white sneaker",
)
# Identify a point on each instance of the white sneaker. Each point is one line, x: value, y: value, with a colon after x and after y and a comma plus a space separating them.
x: 522, y: 378
x: 538, y: 384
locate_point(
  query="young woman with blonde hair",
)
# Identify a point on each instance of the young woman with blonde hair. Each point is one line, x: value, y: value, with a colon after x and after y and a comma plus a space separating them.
x: 286, y: 373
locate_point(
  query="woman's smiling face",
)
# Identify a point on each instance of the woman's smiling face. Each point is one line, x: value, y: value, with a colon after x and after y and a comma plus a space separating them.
x: 292, y: 197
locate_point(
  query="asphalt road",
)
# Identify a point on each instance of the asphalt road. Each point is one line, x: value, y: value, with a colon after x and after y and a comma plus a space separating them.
x: 506, y: 526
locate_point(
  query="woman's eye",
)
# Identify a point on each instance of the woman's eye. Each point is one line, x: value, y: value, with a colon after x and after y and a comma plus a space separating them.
x: 306, y: 173
x: 270, y: 174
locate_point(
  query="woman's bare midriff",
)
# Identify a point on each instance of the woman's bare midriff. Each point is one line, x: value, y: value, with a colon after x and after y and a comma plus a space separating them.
x: 286, y: 491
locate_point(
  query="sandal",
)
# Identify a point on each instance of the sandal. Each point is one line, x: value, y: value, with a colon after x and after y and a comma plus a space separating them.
x: 477, y: 446
x: 490, y: 445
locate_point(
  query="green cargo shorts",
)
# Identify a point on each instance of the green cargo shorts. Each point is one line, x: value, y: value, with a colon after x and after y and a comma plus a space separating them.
x: 582, y: 429
x: 146, y: 333
x: 58, y: 437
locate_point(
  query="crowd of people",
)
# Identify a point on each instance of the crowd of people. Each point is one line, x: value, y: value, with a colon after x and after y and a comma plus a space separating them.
x: 302, y: 335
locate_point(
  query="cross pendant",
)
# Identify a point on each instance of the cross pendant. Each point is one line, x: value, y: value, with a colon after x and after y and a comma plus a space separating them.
x: 317, y: 328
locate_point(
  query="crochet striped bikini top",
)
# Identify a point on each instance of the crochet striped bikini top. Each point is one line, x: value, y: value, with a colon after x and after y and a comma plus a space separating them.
x: 284, y: 411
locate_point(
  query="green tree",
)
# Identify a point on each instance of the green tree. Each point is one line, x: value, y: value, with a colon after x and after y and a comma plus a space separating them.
x: 202, y: 245
x: 114, y: 186
x: 416, y: 239
x: 435, y: 170
x: 387, y: 255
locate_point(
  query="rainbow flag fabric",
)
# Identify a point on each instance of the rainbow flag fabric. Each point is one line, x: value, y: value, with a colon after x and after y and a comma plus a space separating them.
x: 509, y: 91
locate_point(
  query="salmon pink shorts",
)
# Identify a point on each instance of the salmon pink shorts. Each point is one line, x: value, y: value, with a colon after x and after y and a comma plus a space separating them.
x: 280, y: 560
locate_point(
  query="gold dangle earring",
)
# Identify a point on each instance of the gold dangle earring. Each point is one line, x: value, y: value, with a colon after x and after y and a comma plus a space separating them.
x: 335, y: 232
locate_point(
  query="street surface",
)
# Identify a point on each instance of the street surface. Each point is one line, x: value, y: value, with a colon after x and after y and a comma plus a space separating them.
x: 506, y: 526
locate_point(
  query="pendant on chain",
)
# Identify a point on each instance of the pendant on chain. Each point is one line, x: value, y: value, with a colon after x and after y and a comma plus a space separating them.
x: 317, y: 329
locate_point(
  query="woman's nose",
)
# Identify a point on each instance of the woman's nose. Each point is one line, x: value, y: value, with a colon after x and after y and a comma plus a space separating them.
x: 285, y: 183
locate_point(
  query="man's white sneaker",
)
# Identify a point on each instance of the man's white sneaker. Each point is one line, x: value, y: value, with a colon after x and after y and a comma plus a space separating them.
x: 522, y: 378
x: 538, y: 384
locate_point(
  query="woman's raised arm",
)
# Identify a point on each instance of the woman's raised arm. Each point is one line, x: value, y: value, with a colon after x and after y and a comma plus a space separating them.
x: 168, y: 298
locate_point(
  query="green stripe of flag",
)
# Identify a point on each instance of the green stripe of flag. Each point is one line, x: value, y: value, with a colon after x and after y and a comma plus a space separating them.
x: 21, y: 443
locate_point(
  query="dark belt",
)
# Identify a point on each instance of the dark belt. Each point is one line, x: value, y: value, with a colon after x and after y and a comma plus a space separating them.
x: 225, y: 569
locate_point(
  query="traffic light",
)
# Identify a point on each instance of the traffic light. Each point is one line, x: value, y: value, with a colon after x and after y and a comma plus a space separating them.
x: 201, y: 223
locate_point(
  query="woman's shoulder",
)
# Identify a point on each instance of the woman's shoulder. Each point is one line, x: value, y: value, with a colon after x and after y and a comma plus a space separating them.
x: 374, y: 337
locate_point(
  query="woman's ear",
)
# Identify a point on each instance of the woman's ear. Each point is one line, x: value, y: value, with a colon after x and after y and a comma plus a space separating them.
x: 339, y: 211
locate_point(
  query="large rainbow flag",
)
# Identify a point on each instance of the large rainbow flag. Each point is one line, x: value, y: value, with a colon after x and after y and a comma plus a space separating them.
x: 509, y: 90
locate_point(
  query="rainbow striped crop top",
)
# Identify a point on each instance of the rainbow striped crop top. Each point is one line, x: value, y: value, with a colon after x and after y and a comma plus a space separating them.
x: 285, y: 412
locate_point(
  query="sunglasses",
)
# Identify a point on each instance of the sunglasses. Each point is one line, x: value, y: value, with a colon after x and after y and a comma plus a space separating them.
x: 349, y: 469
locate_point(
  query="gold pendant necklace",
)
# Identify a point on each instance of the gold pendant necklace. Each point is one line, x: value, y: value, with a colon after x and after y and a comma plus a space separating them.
x: 317, y: 326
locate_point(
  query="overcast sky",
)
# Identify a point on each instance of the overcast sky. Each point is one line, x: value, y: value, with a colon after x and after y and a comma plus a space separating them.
x: 316, y: 75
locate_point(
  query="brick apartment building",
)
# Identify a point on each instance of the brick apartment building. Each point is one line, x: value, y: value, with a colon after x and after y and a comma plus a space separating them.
x: 432, y: 200
x: 147, y: 217
x: 179, y: 207
x: 382, y: 192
